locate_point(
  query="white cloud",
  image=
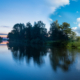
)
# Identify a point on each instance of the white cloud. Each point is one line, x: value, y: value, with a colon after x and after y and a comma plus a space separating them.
x: 78, y: 19
x: 74, y: 28
x: 77, y: 29
x: 79, y: 25
x: 60, y: 16
x: 50, y: 19
x: 54, y: 4
x: 59, y: 2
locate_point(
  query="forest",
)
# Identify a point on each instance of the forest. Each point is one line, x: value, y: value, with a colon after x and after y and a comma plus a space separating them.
x: 38, y: 33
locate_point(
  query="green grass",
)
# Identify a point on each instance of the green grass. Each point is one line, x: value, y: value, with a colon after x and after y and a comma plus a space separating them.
x: 70, y: 44
x: 74, y: 44
x: 78, y: 47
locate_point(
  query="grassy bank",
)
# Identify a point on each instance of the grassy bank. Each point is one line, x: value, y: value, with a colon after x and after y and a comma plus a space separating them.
x: 69, y: 44
x: 73, y: 44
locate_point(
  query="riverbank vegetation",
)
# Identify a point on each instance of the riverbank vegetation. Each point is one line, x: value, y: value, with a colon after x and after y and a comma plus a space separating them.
x: 38, y: 34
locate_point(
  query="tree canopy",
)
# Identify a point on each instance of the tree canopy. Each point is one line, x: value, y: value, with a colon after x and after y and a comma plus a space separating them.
x: 37, y: 33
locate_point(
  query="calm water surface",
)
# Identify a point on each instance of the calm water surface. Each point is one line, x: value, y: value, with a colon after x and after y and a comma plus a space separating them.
x: 20, y: 62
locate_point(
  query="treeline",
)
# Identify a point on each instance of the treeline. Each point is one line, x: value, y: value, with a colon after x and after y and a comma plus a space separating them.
x: 38, y: 34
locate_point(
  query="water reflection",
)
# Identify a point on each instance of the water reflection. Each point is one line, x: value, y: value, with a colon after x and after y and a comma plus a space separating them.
x: 28, y: 62
x: 3, y: 42
x: 59, y: 57
x: 21, y: 51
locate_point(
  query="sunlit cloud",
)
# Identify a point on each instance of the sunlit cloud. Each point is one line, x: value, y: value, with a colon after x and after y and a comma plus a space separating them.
x: 4, y: 35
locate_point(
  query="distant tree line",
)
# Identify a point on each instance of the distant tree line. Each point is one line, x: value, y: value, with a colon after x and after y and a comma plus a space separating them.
x: 38, y: 34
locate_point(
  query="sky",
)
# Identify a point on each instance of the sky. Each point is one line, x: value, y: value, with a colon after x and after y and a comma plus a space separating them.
x: 23, y: 11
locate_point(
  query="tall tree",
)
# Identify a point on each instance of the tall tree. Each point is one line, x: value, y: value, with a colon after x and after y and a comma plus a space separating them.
x: 28, y: 31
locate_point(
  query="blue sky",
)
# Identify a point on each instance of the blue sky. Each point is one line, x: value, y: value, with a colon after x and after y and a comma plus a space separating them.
x: 23, y: 11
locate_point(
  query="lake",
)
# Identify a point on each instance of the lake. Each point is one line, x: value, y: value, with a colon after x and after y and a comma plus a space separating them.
x: 37, y: 62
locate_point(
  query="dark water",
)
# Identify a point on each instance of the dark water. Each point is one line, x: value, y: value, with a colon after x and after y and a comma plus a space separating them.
x: 21, y: 62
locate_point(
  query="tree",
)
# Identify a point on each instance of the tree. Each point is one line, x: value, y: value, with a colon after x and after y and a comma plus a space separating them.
x: 78, y: 38
x: 66, y: 28
x: 59, y: 32
x: 18, y: 27
x: 73, y: 36
x: 28, y: 31
x: 37, y: 33
x: 54, y: 30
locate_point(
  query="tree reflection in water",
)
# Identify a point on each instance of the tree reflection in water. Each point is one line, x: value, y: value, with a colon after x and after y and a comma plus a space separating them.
x: 59, y: 57
x: 20, y: 51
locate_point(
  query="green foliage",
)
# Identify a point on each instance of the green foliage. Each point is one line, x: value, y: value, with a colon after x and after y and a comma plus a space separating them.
x: 32, y: 34
x: 60, y: 32
x: 72, y: 36
x: 37, y: 33
x: 78, y: 38
x: 74, y: 44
